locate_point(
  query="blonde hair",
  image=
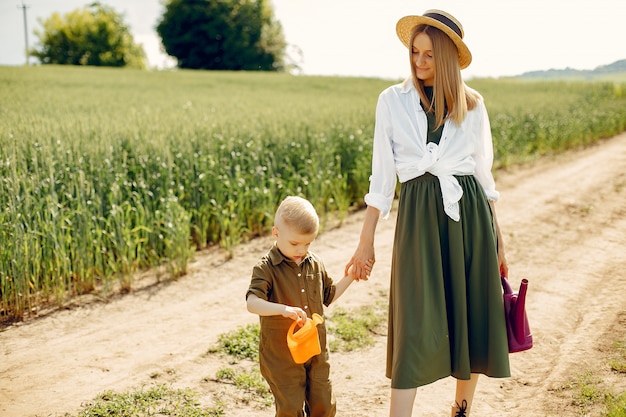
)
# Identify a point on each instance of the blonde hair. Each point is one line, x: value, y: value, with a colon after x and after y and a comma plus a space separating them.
x: 297, y: 213
x: 452, y: 98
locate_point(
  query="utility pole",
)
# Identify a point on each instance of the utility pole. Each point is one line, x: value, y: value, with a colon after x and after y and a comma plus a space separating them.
x: 24, y: 7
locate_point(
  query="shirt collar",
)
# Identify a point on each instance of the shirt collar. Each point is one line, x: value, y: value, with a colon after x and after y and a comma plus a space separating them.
x: 407, y: 85
x: 277, y: 257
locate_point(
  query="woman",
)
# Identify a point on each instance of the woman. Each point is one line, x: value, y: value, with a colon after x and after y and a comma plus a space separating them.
x: 432, y: 133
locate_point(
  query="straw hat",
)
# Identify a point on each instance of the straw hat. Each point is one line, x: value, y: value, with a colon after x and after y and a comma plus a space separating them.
x: 441, y: 20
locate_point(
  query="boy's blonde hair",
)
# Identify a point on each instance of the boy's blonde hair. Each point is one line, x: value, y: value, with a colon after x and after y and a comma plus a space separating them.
x: 297, y: 213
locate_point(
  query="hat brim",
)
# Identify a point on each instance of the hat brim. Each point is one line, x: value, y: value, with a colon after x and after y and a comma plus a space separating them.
x: 405, y: 27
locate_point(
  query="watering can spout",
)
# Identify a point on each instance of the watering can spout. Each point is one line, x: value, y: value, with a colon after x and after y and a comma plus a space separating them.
x: 519, y: 314
x: 317, y: 319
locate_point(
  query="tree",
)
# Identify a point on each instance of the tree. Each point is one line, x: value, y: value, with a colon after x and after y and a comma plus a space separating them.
x: 95, y: 35
x: 223, y: 35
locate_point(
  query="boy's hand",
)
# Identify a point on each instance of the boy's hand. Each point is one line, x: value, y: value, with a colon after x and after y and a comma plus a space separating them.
x: 295, y: 313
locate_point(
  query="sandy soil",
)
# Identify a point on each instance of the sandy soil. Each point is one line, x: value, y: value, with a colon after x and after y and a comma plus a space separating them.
x: 564, y: 221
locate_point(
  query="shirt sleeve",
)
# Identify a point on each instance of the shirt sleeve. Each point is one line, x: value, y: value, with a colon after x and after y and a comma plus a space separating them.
x: 260, y: 284
x: 383, y: 179
x: 484, y: 156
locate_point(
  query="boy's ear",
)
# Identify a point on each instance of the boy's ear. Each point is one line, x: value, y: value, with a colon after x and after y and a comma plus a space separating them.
x: 275, y: 232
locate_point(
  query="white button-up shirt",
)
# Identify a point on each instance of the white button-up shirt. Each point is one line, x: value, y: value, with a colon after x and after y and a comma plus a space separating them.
x: 400, y: 150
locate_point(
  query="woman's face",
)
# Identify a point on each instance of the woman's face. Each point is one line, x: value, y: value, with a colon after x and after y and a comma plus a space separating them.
x: 422, y: 53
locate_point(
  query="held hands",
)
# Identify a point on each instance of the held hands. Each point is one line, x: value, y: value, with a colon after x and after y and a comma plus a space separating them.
x: 361, y: 264
x: 366, y: 269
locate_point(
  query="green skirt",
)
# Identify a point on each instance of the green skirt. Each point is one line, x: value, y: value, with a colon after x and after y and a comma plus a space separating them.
x: 446, y: 315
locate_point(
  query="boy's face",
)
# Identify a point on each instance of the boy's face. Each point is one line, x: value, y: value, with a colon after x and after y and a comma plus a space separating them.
x: 292, y: 245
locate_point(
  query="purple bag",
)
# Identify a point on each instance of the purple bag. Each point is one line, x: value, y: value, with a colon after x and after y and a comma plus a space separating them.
x: 517, y: 328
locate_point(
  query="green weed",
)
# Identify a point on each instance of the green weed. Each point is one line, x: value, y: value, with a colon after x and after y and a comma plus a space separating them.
x: 251, y: 383
x: 591, y: 395
x: 147, y: 402
x: 242, y: 343
x: 618, y: 361
x: 616, y: 406
x: 350, y: 330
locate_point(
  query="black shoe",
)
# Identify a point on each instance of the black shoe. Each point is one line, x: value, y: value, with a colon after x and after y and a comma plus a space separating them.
x: 462, y: 409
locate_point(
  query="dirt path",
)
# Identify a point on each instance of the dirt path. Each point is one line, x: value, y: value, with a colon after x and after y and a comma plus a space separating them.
x: 564, y: 221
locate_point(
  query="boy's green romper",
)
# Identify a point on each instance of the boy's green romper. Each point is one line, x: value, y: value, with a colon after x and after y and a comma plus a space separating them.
x: 308, y: 286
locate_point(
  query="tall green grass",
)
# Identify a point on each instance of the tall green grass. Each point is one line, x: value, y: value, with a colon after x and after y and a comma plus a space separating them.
x: 104, y: 172
x: 533, y: 119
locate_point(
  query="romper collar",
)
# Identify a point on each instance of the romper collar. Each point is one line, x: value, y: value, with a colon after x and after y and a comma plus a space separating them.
x: 277, y: 257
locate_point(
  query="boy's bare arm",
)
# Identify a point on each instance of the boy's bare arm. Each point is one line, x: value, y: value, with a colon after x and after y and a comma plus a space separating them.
x: 345, y: 282
x: 262, y: 307
x: 342, y: 286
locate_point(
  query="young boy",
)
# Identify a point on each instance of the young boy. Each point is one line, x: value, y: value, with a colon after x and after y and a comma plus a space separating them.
x: 291, y: 283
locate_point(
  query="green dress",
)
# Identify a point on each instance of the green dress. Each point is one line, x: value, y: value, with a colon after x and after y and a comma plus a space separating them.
x: 446, y: 315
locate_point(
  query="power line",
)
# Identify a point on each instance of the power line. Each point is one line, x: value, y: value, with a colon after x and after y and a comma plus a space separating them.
x: 24, y: 7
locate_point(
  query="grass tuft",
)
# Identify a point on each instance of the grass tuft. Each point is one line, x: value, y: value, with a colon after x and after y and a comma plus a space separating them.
x: 351, y: 330
x: 242, y: 343
x: 156, y: 400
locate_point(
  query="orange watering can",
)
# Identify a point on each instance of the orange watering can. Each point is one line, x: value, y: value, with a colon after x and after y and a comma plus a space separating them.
x: 305, y: 342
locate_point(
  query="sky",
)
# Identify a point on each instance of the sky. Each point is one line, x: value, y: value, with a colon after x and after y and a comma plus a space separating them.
x: 357, y: 37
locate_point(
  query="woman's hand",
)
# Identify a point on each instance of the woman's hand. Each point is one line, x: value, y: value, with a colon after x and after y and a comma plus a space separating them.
x: 502, y: 264
x: 368, y: 270
x: 363, y: 259
x: 361, y: 264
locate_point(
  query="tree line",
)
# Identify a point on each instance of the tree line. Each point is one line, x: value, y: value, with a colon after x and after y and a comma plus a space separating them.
x: 200, y: 34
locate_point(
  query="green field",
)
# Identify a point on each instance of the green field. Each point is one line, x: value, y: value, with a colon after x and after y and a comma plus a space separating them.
x: 105, y: 172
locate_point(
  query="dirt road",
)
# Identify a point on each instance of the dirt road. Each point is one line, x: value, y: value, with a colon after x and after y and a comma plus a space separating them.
x: 564, y: 221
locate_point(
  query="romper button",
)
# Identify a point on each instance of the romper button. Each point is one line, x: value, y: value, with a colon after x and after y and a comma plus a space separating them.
x: 299, y: 274
x: 302, y: 290
x: 306, y: 307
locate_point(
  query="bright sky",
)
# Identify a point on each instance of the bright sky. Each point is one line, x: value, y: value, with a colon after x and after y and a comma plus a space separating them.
x: 357, y: 37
